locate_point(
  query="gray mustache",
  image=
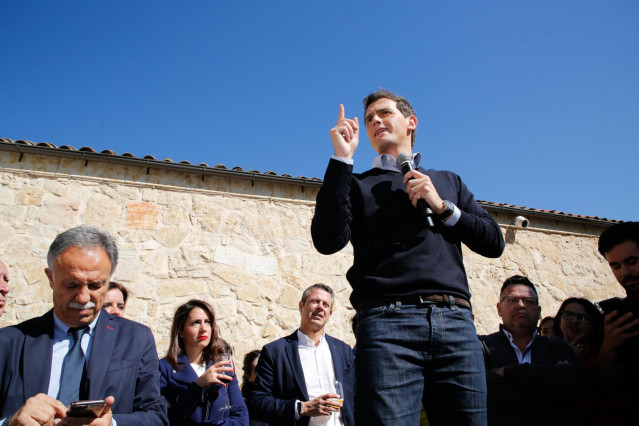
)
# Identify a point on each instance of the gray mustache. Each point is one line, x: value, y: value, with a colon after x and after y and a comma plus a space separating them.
x: 76, y: 305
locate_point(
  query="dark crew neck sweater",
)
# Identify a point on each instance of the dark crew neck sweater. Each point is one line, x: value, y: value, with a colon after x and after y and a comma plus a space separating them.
x: 395, y: 254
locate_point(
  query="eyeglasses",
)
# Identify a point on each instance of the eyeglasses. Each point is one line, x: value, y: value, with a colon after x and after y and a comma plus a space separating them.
x: 571, y: 316
x: 513, y: 301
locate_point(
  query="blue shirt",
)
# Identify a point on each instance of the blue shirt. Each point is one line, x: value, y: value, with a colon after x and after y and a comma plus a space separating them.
x: 62, y: 343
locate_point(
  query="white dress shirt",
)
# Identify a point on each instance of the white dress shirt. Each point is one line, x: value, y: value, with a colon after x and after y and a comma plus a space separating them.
x: 319, y: 374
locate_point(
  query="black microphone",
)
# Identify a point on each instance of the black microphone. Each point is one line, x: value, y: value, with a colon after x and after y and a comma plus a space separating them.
x: 405, y: 163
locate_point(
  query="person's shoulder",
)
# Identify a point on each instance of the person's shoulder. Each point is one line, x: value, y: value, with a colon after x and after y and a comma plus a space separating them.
x: 131, y: 329
x: 443, y: 174
x: 554, y: 342
x: 165, y: 365
x: 281, y: 342
x: 338, y: 342
x: 491, y: 338
x: 31, y: 327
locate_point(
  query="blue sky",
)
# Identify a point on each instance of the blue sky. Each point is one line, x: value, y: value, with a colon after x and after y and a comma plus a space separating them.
x: 533, y: 103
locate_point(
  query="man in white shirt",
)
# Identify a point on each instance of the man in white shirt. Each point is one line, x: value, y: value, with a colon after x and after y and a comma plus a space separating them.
x: 297, y: 374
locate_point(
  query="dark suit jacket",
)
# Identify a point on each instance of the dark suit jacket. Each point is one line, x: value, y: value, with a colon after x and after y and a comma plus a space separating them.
x: 189, y: 404
x: 280, y: 381
x: 543, y: 392
x: 123, y: 363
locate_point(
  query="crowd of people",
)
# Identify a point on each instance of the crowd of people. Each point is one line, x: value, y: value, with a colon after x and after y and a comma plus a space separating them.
x: 418, y: 358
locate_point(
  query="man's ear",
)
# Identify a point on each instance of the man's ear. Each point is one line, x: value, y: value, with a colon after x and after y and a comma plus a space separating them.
x: 301, y: 305
x: 49, y: 274
x: 412, y: 122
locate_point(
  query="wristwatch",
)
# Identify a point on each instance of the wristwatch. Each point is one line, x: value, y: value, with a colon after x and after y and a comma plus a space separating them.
x: 299, y: 407
x: 449, y: 209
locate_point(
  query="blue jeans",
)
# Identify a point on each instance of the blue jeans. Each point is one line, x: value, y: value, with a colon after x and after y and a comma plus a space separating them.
x: 412, y: 354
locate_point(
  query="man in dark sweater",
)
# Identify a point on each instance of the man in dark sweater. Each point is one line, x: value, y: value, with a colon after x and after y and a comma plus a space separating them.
x: 416, y: 340
x: 532, y: 379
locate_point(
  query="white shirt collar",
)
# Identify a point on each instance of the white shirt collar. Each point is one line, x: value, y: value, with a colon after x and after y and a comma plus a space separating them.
x: 387, y: 162
x: 304, y: 340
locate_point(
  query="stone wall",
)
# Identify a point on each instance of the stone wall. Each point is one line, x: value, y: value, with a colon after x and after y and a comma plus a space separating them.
x: 242, y: 244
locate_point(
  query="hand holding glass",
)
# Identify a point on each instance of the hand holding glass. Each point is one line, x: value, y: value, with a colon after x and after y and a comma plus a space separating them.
x: 340, y: 391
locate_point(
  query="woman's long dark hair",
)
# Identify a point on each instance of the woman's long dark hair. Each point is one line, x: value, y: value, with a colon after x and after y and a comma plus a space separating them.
x: 176, y: 347
x: 247, y: 366
x: 596, y: 318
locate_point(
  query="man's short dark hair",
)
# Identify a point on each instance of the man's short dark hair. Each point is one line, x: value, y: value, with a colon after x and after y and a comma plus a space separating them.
x: 402, y: 105
x: 518, y: 280
x: 86, y: 237
x: 617, y: 234
x: 320, y: 286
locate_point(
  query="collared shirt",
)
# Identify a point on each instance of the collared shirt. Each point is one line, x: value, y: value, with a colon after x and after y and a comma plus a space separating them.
x: 62, y: 343
x: 319, y: 374
x: 387, y: 162
x: 524, y: 358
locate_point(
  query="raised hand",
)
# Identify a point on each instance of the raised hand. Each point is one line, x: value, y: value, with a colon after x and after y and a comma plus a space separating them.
x: 345, y: 135
x: 618, y: 329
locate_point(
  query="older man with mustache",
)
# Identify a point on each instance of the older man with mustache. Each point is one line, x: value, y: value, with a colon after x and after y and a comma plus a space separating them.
x: 78, y: 351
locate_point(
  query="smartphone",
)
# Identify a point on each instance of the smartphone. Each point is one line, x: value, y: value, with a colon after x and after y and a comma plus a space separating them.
x: 613, y: 304
x: 90, y: 408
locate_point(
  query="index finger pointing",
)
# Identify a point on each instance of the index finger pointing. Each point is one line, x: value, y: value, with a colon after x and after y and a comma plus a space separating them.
x: 341, y: 113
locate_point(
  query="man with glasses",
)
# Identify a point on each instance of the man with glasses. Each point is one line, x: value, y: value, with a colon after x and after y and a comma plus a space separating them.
x: 526, y: 372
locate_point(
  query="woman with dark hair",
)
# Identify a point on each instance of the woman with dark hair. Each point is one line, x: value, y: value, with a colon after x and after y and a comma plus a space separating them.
x: 248, y: 378
x: 580, y: 324
x: 547, y: 327
x: 200, y: 387
x: 115, y: 299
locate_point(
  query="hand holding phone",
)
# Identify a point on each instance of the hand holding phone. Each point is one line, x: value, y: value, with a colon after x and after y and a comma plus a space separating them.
x: 89, y: 408
x: 613, y: 304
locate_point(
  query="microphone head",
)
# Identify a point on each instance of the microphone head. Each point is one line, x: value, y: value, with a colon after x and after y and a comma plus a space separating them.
x: 403, y: 158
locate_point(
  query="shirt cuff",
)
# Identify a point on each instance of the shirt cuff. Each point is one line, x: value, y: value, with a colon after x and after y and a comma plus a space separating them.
x: 297, y: 415
x: 343, y: 160
x: 454, y: 218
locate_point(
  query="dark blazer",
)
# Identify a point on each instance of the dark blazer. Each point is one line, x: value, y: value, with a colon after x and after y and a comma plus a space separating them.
x: 189, y: 404
x: 280, y: 381
x: 543, y: 392
x: 123, y: 363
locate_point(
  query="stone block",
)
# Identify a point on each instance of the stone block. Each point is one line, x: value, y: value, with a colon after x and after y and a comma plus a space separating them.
x: 142, y: 215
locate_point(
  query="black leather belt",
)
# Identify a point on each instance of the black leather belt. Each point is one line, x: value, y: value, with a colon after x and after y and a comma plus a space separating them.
x: 439, y: 299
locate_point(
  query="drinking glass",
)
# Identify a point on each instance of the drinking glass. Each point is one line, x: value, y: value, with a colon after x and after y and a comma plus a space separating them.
x: 225, y: 356
x: 339, y: 390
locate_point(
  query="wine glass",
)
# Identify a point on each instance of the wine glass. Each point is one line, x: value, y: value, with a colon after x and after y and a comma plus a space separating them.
x: 225, y: 356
